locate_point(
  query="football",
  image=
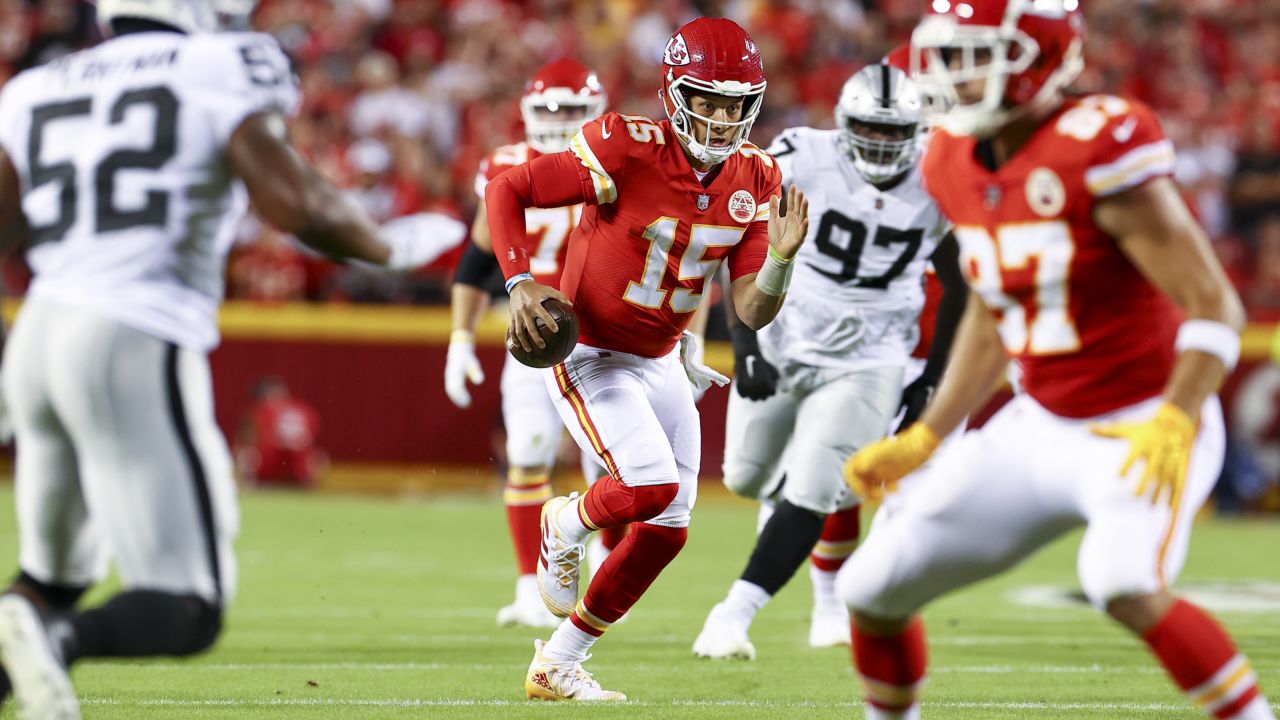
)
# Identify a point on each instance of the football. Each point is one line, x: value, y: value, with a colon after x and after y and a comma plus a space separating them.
x: 559, y: 343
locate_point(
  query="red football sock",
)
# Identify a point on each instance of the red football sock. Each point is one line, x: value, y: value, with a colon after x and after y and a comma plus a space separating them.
x: 609, y: 503
x: 611, y: 537
x: 892, y: 666
x: 838, y: 540
x: 1204, y: 662
x: 630, y: 569
x: 524, y: 495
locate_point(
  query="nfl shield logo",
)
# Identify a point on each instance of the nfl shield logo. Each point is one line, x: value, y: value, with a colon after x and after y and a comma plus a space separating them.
x: 704, y: 202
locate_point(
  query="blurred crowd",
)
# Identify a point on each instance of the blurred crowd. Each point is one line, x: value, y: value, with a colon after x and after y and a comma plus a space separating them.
x: 403, y: 98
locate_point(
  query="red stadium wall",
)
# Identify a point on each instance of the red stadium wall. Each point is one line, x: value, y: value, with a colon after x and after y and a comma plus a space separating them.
x: 375, y: 374
x: 376, y: 377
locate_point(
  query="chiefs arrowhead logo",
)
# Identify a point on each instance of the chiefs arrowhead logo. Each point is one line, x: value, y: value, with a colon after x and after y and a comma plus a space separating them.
x: 677, y: 52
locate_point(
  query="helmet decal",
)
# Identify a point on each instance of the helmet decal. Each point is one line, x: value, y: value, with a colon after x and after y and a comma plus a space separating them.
x: 677, y: 52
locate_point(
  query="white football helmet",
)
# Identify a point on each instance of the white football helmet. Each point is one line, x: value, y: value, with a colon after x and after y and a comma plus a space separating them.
x: 879, y: 116
x: 190, y: 16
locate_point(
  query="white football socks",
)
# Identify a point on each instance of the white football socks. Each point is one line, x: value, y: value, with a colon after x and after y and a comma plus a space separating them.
x: 824, y: 587
x: 745, y: 599
x: 527, y: 590
x: 570, y: 523
x: 911, y: 713
x: 568, y: 644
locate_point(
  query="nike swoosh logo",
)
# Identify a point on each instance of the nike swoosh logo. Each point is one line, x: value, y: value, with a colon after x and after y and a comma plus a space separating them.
x: 1123, y: 133
x: 604, y: 131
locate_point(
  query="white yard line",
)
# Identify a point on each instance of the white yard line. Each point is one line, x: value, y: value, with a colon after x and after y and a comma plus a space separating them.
x: 415, y: 703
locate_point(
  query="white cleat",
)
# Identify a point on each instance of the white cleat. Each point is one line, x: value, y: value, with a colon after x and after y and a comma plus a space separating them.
x: 829, y: 626
x: 523, y: 613
x: 548, y: 680
x: 41, y: 684
x: 724, y: 637
x: 558, y: 562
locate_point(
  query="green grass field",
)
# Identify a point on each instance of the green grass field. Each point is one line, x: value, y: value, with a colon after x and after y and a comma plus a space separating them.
x: 369, y: 608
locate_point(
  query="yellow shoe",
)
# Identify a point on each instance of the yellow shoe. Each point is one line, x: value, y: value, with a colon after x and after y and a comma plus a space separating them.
x: 559, y: 561
x: 549, y: 680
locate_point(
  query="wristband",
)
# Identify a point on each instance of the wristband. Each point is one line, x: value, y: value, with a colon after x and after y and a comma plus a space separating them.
x: 515, y: 280
x: 775, y: 275
x: 1210, y: 336
x: 462, y: 337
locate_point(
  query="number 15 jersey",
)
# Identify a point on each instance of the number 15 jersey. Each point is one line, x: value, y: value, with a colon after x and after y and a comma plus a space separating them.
x: 121, y: 155
x: 652, y: 236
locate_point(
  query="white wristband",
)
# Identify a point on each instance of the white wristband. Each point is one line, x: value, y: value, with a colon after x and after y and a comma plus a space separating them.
x: 775, y: 275
x: 1212, y: 337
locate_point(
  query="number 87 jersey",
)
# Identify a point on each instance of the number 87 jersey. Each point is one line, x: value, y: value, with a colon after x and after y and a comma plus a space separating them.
x: 120, y: 152
x: 652, y: 236
x: 1091, y: 333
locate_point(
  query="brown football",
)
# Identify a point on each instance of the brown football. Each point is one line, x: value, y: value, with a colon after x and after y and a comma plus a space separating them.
x: 559, y: 343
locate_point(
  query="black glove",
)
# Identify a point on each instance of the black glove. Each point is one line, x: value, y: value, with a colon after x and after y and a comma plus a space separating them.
x: 914, y: 397
x: 754, y: 377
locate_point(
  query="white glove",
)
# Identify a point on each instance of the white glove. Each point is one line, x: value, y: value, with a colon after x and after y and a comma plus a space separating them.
x: 417, y: 240
x: 700, y: 375
x: 461, y: 365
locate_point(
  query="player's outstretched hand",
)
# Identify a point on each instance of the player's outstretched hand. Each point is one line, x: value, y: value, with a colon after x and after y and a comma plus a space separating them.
x: 788, y: 222
x: 526, y: 307
x: 461, y: 365
x: 874, y: 471
x: 1163, y: 443
x: 915, y: 397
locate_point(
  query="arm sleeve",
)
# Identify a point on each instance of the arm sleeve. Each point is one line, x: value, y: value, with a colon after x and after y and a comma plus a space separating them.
x: 475, y: 268
x: 548, y: 181
x: 1130, y: 150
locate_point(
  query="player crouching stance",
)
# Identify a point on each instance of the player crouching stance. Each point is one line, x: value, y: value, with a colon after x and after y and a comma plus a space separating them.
x: 1083, y: 260
x: 666, y: 204
x: 840, y: 346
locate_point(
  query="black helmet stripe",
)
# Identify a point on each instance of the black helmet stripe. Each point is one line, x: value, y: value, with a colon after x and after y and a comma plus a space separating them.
x: 886, y: 80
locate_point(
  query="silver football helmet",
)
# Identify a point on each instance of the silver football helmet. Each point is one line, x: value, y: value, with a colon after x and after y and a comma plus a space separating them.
x: 190, y: 16
x: 879, y: 116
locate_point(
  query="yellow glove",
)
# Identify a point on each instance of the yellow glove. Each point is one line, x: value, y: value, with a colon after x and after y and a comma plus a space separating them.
x: 1164, y: 444
x: 875, y: 470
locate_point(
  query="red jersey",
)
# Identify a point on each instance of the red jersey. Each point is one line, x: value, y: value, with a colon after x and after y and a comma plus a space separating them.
x: 547, y: 228
x: 653, y: 235
x: 1091, y: 333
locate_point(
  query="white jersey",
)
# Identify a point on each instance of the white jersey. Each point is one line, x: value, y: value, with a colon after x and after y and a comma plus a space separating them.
x: 858, y: 288
x: 126, y: 186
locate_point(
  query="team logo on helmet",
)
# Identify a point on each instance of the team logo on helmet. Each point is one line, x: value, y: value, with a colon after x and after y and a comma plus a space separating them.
x: 1046, y: 194
x: 677, y: 52
x: 742, y: 206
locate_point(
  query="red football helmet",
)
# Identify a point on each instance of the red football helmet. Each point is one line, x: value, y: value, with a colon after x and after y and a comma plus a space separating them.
x: 711, y: 56
x: 1027, y: 51
x: 934, y: 98
x: 562, y: 96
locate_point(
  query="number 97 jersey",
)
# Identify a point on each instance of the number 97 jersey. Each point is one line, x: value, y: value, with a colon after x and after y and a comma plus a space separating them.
x: 1090, y: 332
x: 121, y: 156
x: 858, y: 289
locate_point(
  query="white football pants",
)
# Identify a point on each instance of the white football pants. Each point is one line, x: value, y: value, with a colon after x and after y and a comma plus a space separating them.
x: 118, y: 457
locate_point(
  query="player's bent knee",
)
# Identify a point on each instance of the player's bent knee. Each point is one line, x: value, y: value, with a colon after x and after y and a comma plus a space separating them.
x: 745, y: 479
x: 1107, y: 583
x: 651, y: 500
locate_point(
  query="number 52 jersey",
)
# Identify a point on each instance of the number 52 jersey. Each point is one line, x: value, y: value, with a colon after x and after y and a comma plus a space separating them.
x: 121, y: 155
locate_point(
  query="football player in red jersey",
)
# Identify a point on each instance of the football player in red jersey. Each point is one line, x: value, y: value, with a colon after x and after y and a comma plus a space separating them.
x: 559, y: 99
x: 1088, y: 270
x: 666, y: 203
